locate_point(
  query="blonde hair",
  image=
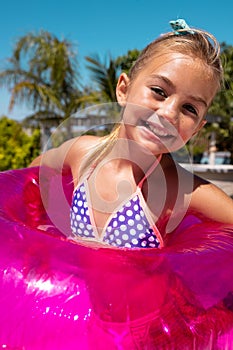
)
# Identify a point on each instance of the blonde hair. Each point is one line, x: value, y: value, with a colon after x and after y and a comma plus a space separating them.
x: 198, y: 43
x: 96, y: 153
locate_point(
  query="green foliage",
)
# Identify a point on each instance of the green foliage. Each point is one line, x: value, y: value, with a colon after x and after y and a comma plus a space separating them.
x: 125, y: 62
x: 223, y: 103
x: 43, y: 73
x: 105, y: 75
x: 17, y: 148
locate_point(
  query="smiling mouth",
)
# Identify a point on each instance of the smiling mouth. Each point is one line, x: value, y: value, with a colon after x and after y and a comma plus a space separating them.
x: 157, y: 130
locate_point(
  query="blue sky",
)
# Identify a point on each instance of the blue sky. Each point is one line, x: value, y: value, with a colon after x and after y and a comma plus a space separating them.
x: 105, y: 27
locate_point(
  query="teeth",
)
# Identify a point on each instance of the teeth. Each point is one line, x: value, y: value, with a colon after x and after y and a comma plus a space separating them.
x: 156, y: 131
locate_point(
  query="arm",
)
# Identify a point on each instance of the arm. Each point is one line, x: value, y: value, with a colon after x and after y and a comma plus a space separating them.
x: 36, y: 161
x: 212, y: 202
x: 56, y: 158
x: 67, y: 157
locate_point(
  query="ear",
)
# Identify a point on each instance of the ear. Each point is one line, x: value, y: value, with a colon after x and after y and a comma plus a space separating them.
x: 200, y: 126
x: 122, y: 89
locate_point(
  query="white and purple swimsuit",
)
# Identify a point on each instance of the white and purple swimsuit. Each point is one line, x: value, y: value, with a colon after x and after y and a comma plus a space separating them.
x: 131, y: 225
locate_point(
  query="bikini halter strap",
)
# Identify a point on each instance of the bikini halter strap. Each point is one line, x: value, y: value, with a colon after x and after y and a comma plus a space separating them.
x: 150, y: 170
x: 148, y: 173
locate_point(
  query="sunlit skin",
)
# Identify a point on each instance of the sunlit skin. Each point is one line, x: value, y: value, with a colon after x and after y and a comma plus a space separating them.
x: 174, y: 86
x: 163, y: 107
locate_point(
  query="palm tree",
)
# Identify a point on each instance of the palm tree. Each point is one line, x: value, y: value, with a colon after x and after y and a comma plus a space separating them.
x: 105, y: 74
x: 43, y: 73
x: 125, y: 62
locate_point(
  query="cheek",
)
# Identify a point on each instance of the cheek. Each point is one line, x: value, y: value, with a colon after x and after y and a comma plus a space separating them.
x: 188, y: 128
x: 134, y: 112
x: 139, y: 95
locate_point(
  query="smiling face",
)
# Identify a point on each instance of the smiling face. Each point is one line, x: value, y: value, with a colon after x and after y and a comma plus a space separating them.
x: 165, y: 104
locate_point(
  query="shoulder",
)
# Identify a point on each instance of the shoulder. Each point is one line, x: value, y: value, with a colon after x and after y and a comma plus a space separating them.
x: 83, y: 143
x: 63, y: 157
x: 77, y: 148
x: 203, y: 197
x: 211, y: 201
x: 206, y: 198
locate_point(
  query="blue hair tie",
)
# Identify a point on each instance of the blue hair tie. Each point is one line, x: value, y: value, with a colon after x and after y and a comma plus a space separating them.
x: 179, y: 25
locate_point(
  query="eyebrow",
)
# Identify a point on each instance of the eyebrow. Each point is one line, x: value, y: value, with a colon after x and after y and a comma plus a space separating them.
x: 168, y: 82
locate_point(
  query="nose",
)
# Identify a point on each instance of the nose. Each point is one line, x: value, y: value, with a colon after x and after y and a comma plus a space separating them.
x: 169, y: 110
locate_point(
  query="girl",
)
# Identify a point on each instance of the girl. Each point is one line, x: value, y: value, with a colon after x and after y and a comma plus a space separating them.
x: 128, y: 190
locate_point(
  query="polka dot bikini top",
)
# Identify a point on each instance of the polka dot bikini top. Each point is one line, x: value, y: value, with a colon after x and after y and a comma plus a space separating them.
x: 130, y: 226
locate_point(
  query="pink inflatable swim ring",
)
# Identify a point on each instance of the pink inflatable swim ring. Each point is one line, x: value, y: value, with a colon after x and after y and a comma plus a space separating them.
x: 59, y: 294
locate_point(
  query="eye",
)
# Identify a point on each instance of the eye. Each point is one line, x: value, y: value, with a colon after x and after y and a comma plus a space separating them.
x: 158, y: 91
x: 191, y: 109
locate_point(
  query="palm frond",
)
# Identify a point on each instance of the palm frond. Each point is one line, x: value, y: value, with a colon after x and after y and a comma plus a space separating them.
x: 105, y: 75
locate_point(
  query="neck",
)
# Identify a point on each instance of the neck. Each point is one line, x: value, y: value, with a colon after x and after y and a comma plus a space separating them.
x: 127, y: 153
